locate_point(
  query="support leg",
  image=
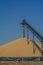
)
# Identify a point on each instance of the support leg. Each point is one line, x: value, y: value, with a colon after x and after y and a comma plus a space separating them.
x: 23, y: 31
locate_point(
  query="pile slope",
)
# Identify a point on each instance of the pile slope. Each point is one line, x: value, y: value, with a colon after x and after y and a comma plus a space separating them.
x: 19, y: 48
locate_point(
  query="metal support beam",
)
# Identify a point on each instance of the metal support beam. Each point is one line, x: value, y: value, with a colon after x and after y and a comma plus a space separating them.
x: 42, y: 47
x: 33, y: 44
x: 27, y: 35
x: 23, y: 31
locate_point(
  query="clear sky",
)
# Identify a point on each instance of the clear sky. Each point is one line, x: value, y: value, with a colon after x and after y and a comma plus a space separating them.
x: 12, y: 12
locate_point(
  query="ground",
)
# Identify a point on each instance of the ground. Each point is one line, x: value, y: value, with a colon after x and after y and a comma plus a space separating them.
x: 21, y: 63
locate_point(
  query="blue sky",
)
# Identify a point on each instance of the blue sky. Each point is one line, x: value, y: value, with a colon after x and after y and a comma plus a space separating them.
x: 12, y: 12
